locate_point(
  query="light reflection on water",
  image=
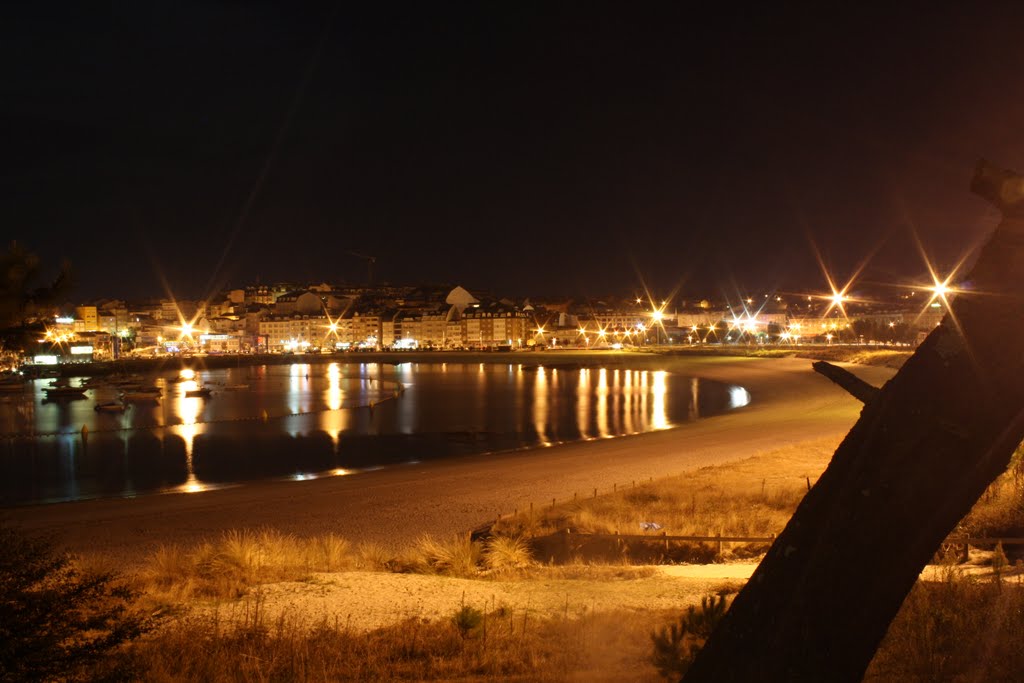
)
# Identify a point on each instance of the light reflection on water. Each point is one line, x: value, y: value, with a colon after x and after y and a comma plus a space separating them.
x: 333, y: 419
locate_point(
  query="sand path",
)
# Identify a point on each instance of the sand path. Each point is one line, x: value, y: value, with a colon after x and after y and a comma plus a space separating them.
x: 393, y: 506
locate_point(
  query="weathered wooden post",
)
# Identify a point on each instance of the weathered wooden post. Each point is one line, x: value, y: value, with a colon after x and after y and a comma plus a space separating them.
x: 923, y: 451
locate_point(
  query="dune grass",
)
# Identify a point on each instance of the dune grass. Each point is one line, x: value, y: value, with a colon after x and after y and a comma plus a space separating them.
x: 498, y: 645
x: 958, y: 629
x: 753, y: 497
x: 227, y: 567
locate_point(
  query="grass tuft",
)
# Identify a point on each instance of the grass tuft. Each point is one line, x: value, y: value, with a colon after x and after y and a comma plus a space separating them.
x: 457, y: 556
x: 507, y: 553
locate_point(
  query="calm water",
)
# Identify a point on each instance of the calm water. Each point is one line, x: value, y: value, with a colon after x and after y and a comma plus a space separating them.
x: 302, y: 421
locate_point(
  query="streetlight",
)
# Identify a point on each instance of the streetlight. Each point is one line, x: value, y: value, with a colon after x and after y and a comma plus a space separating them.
x: 657, y: 315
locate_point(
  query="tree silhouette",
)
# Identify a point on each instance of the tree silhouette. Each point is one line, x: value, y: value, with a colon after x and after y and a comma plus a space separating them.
x: 55, y: 621
x: 926, y: 446
x: 22, y: 297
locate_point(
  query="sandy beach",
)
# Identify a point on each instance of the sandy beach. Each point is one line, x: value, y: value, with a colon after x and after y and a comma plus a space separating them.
x: 393, y: 506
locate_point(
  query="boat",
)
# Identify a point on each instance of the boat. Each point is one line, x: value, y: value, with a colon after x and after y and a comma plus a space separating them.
x: 203, y: 392
x: 141, y: 389
x: 110, y: 407
x: 140, y: 396
x: 11, y: 384
x: 64, y: 393
x: 125, y: 380
x: 236, y: 387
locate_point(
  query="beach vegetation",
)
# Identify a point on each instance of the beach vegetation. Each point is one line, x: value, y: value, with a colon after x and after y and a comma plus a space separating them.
x: 211, y: 634
x: 58, y: 621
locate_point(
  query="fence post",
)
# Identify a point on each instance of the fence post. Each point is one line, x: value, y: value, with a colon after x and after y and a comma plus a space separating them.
x: 595, y: 492
x: 719, y: 543
x: 966, y: 557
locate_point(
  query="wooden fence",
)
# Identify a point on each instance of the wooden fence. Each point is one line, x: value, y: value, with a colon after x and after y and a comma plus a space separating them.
x: 963, y: 543
x: 570, y: 538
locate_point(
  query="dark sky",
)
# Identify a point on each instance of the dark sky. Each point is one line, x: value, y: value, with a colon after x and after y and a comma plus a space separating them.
x: 526, y: 148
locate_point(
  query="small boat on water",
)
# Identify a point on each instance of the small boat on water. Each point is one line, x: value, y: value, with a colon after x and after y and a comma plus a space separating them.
x: 125, y: 380
x: 201, y: 392
x: 140, y: 396
x: 236, y: 387
x: 11, y: 385
x: 64, y: 393
x: 110, y: 407
x: 142, y: 389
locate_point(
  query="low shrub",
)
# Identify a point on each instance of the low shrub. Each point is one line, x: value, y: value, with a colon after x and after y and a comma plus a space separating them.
x: 57, y: 622
x: 676, y: 645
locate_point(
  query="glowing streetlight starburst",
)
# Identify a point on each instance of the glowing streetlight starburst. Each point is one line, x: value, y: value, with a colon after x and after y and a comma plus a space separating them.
x: 941, y: 289
x: 838, y: 296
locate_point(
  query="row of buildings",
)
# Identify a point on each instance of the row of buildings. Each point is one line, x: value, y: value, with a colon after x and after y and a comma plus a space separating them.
x: 322, y: 318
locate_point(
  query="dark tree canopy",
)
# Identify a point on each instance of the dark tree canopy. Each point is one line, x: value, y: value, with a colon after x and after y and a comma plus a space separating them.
x: 22, y: 296
x: 55, y: 621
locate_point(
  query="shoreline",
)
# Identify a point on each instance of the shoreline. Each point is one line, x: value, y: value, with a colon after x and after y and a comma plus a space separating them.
x: 394, y: 506
x: 587, y: 357
x: 222, y: 361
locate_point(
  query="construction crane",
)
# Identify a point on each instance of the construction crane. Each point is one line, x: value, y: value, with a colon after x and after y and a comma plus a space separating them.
x: 370, y: 260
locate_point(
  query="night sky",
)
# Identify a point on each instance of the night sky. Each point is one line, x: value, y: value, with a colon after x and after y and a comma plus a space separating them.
x: 522, y: 148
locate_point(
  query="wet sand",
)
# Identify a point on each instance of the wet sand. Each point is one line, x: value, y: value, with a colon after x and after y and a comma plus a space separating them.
x: 393, y: 506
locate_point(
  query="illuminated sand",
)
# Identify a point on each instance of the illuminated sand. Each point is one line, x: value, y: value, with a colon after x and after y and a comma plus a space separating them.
x: 394, y: 506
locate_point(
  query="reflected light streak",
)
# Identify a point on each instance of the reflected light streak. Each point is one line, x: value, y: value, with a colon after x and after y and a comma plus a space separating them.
x: 298, y: 389
x: 189, y: 408
x: 644, y: 419
x: 602, y: 403
x: 659, y: 417
x: 334, y: 422
x: 616, y: 400
x: 628, y: 402
x: 333, y: 394
x: 583, y: 404
x: 540, y: 406
x: 520, y: 398
x: 694, y: 409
